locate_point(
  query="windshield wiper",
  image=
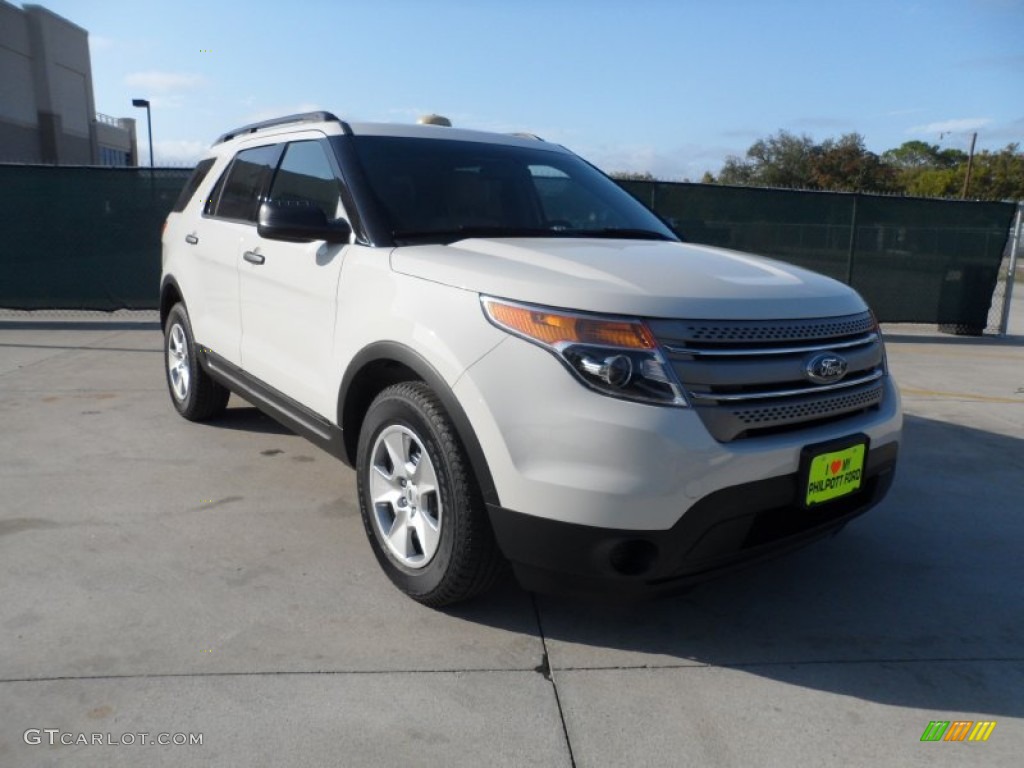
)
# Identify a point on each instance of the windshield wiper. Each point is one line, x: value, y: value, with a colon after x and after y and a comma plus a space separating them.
x: 448, y: 236
x: 461, y: 233
x: 624, y: 233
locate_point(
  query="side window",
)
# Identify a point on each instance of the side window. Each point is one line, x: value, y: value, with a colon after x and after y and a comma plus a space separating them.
x: 246, y: 183
x: 306, y: 178
x: 193, y: 184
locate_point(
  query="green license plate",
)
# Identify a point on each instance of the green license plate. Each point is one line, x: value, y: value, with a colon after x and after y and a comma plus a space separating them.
x: 832, y: 474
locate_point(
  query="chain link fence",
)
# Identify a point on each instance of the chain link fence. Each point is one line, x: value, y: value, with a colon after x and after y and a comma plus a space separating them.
x: 1011, y: 276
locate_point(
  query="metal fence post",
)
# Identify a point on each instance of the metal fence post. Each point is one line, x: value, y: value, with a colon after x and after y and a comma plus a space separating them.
x: 853, y: 242
x: 1011, y: 272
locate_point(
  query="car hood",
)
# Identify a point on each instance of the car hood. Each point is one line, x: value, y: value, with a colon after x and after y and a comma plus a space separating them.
x: 643, y: 278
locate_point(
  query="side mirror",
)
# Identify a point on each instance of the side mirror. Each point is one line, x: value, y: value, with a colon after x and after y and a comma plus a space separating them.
x: 300, y: 223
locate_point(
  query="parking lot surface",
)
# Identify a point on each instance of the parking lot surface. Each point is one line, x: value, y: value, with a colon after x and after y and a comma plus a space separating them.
x: 163, y: 577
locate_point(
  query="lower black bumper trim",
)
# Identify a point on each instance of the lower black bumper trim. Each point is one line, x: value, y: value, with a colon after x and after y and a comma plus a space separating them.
x: 725, y: 529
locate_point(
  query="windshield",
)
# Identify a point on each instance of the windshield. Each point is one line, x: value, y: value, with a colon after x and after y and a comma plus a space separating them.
x: 437, y: 190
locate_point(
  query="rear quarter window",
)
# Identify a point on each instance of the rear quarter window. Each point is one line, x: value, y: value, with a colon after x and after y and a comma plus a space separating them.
x: 192, y: 184
x: 242, y: 189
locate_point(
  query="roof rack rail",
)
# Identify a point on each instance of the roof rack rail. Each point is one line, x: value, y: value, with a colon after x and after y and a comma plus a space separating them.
x: 303, y: 117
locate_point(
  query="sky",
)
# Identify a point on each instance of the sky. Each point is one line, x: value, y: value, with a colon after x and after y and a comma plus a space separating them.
x: 672, y: 87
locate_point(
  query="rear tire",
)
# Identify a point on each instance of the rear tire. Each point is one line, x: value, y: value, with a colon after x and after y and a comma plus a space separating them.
x: 420, y: 503
x: 194, y: 394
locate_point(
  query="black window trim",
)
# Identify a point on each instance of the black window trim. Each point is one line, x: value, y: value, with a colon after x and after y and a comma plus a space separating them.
x: 198, y: 176
x: 347, y: 200
x: 218, y: 188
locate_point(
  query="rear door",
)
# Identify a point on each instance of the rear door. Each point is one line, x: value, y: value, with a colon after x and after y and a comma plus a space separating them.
x: 228, y: 216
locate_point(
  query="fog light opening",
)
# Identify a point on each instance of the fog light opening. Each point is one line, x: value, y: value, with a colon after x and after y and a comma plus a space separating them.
x: 634, y: 557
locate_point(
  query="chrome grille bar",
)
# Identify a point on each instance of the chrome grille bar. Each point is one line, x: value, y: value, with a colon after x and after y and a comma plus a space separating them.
x: 771, y: 394
x: 871, y: 338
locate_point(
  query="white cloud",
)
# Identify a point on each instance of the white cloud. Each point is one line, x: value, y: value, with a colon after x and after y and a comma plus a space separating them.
x: 174, y: 152
x: 164, y: 82
x: 961, y: 125
x: 685, y: 162
x: 1012, y: 131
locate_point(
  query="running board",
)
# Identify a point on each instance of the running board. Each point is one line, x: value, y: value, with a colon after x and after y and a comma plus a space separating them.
x: 275, y: 404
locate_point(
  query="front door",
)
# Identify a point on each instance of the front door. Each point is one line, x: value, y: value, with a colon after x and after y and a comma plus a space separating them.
x: 289, y: 290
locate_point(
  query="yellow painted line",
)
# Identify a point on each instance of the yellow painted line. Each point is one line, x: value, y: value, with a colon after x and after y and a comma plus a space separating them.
x: 960, y: 396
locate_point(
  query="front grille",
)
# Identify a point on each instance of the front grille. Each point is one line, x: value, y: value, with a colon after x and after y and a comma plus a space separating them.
x: 808, y: 408
x: 740, y: 331
x: 748, y: 377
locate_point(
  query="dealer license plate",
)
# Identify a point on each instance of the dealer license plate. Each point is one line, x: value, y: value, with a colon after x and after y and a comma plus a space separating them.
x: 832, y: 471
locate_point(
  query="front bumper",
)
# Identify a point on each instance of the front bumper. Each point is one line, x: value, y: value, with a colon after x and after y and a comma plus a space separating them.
x: 725, y: 529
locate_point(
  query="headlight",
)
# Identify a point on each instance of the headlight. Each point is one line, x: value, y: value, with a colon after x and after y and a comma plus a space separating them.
x: 881, y: 341
x: 615, y: 356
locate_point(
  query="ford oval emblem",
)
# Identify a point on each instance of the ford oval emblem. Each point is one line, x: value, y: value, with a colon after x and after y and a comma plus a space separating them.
x: 827, y: 368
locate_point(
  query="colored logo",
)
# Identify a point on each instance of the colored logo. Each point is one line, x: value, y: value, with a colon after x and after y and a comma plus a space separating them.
x: 958, y: 730
x: 826, y: 368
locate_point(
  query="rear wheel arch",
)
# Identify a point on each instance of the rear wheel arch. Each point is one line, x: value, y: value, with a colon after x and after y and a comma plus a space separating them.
x: 379, y: 366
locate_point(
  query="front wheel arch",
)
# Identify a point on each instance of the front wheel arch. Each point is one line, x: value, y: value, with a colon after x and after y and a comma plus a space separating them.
x: 382, y: 364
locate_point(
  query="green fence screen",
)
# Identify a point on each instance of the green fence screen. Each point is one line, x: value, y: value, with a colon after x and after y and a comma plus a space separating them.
x: 83, y: 238
x: 89, y: 238
x: 913, y: 260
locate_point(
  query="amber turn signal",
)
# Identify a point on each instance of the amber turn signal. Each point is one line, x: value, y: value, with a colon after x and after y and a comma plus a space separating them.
x: 555, y: 328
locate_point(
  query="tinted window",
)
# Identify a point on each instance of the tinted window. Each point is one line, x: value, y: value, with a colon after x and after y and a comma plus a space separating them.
x: 193, y: 184
x: 445, y: 187
x: 247, y: 182
x: 306, y: 178
x: 567, y: 204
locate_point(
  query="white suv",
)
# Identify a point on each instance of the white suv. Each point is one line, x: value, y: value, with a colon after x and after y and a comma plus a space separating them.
x: 520, y: 360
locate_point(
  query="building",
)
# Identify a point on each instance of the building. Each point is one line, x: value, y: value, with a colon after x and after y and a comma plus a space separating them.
x: 47, y: 113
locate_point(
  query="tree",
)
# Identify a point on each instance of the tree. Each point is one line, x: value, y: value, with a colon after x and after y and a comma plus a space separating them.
x: 783, y: 160
x: 786, y: 160
x: 998, y: 175
x: 918, y: 154
x: 847, y: 164
x: 933, y: 182
x: 914, y: 168
x: 632, y: 175
x: 924, y: 170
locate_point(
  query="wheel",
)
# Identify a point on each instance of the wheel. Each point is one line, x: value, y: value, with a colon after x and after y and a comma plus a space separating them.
x: 420, y: 504
x: 195, y: 395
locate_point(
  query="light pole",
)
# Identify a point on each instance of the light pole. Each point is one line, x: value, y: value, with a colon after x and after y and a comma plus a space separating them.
x: 149, y: 125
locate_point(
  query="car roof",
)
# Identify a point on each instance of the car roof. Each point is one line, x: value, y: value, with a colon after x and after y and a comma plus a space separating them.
x: 332, y: 125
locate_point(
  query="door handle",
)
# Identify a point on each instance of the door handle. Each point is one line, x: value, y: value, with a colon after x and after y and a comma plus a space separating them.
x: 191, y: 239
x: 253, y: 258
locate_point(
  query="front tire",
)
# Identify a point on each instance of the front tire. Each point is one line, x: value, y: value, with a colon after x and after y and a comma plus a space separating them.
x: 194, y: 394
x: 420, y: 504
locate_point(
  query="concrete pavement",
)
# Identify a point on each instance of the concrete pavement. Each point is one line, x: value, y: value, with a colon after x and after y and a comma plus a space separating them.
x: 158, y: 576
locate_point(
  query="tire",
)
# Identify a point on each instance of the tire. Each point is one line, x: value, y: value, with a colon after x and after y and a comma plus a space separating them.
x: 420, y: 503
x: 194, y: 394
